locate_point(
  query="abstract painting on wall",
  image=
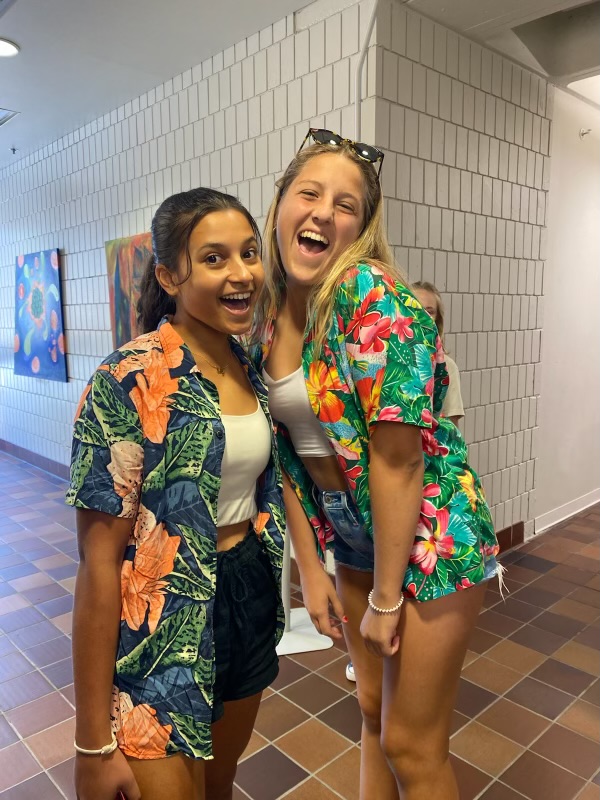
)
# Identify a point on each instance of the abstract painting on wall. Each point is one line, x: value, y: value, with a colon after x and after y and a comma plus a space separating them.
x: 39, y: 330
x: 126, y: 259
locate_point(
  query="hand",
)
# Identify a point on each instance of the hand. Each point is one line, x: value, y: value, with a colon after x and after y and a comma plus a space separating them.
x: 380, y: 633
x: 103, y: 777
x: 318, y: 593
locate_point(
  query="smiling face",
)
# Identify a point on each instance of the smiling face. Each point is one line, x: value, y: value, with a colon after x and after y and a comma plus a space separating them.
x: 220, y: 290
x: 320, y: 214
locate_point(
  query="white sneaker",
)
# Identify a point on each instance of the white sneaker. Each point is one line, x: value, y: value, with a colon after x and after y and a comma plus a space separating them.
x: 350, y: 676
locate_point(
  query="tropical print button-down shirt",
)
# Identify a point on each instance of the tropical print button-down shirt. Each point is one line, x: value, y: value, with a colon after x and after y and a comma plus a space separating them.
x: 383, y: 361
x: 148, y: 445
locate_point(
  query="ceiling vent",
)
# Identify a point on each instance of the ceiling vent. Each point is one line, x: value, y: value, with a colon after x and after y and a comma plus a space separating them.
x: 6, y: 115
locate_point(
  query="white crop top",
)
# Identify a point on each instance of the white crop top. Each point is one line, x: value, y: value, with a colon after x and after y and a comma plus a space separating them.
x: 246, y: 456
x: 289, y: 404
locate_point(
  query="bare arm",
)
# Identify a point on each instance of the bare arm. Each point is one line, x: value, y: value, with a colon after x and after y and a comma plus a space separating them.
x: 96, y: 618
x: 396, y: 488
x: 317, y: 587
x: 455, y: 420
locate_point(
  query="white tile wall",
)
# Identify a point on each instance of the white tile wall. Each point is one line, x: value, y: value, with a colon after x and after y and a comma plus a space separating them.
x: 232, y: 122
x: 466, y: 135
x: 465, y: 183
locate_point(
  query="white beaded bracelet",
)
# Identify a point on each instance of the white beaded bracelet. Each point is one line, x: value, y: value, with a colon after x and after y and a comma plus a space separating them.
x: 376, y: 610
x: 103, y: 751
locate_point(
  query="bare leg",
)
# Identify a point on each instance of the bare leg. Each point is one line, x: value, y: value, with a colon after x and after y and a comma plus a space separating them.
x: 230, y: 736
x: 420, y: 684
x: 376, y: 778
x: 165, y: 778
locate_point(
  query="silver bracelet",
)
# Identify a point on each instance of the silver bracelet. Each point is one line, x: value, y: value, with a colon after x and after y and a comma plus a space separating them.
x: 103, y: 751
x: 376, y: 610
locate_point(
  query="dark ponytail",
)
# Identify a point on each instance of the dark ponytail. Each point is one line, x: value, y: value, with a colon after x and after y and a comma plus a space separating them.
x: 172, y: 227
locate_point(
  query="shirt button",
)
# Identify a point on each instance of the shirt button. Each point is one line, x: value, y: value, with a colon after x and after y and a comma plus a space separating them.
x: 219, y: 433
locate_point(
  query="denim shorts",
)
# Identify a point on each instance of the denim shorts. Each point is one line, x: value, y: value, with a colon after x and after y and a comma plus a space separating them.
x: 351, y: 545
x: 244, y: 622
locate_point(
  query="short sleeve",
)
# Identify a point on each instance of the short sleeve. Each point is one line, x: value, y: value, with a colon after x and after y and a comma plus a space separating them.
x: 107, y: 454
x: 391, y: 347
x: 453, y: 404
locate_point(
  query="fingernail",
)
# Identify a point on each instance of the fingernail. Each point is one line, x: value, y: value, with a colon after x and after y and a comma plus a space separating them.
x: 344, y: 619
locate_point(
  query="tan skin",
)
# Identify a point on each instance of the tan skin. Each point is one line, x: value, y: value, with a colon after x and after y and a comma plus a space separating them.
x: 224, y: 260
x: 429, y: 302
x: 407, y: 664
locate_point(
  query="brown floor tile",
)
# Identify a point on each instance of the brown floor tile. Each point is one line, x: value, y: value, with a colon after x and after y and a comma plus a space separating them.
x: 536, y: 597
x: 569, y: 750
x: 522, y: 574
x: 582, y: 718
x: 551, y: 583
x: 344, y: 717
x: 500, y: 791
x: 13, y: 665
x: 498, y: 624
x: 256, y: 743
x: 16, y: 765
x: 268, y: 774
x: 539, y: 779
x: 472, y: 699
x: 539, y: 697
x: 7, y: 734
x: 562, y: 676
x: 484, y: 748
x: 313, y: 693
x: 471, y: 781
x: 573, y: 574
x: 592, y: 695
x: 513, y: 655
x: 40, y: 714
x: 312, y: 789
x: 38, y: 788
x: 317, y: 659
x: 482, y: 641
x: 336, y: 673
x: 277, y: 716
x: 516, y: 609
x: 491, y: 675
x: 589, y: 792
x: 580, y: 657
x: 289, y: 671
x: 589, y: 637
x: 538, y: 639
x: 514, y: 721
x: 558, y: 624
x: 571, y: 608
x: 312, y: 745
x: 23, y: 689
x: 458, y: 721
x: 62, y: 775
x: 53, y: 745
x: 589, y: 597
x: 536, y: 563
x: 342, y: 775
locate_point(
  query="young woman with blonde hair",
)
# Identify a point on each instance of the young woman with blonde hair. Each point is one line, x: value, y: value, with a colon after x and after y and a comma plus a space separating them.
x: 356, y: 379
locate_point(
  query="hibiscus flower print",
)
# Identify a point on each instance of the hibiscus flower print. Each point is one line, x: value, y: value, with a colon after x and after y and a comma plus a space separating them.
x: 126, y: 463
x: 375, y: 333
x: 321, y: 384
x: 152, y: 397
x: 140, y: 734
x: 428, y: 548
x: 142, y: 590
x: 402, y: 327
x: 364, y: 314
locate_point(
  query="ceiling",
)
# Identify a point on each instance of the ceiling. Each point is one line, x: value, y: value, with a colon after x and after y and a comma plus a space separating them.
x: 82, y: 58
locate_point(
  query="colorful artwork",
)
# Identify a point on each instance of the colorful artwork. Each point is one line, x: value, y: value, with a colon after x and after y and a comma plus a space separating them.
x: 39, y: 331
x: 126, y: 259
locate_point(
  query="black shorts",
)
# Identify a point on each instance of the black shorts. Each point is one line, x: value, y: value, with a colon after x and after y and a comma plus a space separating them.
x: 245, y: 620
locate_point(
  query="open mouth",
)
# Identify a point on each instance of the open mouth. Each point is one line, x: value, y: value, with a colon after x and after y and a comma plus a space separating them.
x: 311, y: 243
x: 237, y: 303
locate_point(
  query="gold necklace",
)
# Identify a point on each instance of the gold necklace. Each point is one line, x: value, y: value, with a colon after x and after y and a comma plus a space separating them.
x: 220, y: 370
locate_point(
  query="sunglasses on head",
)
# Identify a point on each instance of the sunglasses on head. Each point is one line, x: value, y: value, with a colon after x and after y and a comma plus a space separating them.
x: 364, y: 151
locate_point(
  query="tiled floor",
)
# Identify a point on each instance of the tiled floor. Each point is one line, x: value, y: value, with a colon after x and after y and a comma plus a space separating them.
x: 527, y: 723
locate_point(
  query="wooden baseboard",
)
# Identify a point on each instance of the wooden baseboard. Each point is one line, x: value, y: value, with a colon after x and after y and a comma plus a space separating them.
x: 36, y: 460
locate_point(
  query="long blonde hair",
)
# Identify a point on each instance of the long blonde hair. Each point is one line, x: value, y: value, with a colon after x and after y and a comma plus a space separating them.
x: 370, y: 247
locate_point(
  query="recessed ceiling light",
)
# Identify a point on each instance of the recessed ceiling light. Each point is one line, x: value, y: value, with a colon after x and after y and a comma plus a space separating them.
x: 8, y: 48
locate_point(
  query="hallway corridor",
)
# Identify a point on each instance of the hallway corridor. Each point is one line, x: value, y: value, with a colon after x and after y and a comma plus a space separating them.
x: 527, y: 721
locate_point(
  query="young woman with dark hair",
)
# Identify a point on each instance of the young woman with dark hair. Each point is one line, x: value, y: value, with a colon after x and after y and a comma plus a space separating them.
x: 176, y: 481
